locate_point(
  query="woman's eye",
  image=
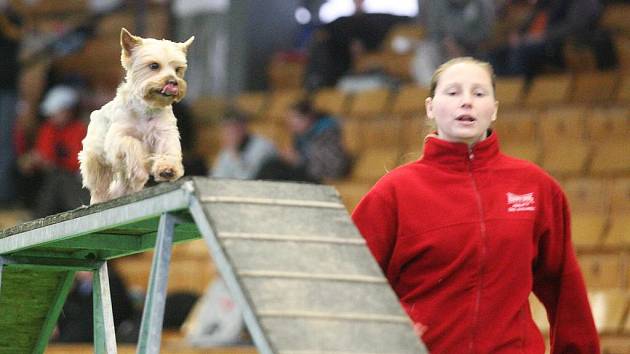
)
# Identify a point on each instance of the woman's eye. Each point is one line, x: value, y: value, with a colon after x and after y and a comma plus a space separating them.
x: 451, y: 93
x: 154, y: 66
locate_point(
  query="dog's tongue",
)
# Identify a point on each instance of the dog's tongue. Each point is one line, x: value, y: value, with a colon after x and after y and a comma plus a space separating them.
x: 170, y: 89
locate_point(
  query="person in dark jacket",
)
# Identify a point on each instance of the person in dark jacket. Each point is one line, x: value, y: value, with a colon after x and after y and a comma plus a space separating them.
x: 540, y: 40
x: 466, y: 233
x: 317, y: 153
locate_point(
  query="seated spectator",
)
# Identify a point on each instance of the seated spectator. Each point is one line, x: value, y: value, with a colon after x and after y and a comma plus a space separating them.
x: 317, y: 153
x: 243, y: 152
x: 540, y: 40
x: 55, y: 153
x: 454, y: 28
x: 75, y: 324
x: 336, y: 45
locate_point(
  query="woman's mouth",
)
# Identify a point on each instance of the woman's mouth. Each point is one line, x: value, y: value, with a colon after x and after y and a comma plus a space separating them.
x: 465, y: 118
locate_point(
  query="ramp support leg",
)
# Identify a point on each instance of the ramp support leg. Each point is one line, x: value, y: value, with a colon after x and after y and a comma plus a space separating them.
x: 104, y: 332
x: 153, y: 313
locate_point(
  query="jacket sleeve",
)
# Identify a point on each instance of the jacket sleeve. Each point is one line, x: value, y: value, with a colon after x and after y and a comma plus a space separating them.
x: 559, y: 285
x: 375, y: 217
x: 327, y: 157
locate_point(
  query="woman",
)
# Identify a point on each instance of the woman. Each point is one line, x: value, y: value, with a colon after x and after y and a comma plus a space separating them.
x: 466, y: 233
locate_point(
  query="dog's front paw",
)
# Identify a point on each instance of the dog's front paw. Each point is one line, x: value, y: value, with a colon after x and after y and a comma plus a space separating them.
x: 164, y: 170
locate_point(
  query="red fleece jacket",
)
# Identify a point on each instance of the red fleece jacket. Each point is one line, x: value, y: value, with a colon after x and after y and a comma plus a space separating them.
x: 464, y: 237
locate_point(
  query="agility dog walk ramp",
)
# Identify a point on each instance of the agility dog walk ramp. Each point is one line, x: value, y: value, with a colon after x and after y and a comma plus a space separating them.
x: 289, y: 254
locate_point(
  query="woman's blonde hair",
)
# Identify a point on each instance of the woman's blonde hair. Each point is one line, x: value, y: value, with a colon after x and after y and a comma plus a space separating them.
x: 438, y: 72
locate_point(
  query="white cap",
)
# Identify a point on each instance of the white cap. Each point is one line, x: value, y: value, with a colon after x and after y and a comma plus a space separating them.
x: 58, y: 99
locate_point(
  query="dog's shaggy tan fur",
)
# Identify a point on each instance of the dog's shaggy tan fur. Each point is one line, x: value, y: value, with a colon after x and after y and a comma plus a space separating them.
x: 135, y: 135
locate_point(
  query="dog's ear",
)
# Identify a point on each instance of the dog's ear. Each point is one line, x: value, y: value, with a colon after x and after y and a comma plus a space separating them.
x: 186, y: 44
x: 128, y: 41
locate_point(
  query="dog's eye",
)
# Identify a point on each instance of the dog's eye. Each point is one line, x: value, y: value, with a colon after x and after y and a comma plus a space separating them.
x: 179, y: 70
x: 154, y: 66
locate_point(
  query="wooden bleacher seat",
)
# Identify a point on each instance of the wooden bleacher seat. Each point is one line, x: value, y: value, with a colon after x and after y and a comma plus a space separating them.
x: 602, y: 271
x: 331, y: 100
x: 609, y: 307
x: 562, y: 160
x: 413, y: 132
x: 412, y: 32
x: 51, y: 8
x: 253, y: 103
x: 615, y: 17
x: 623, y: 92
x: 409, y: 101
x: 12, y: 217
x: 369, y: 104
x: 608, y: 123
x: 384, y: 133
x: 611, y: 158
x: 279, y: 103
x: 269, y: 130
x: 548, y: 90
x: 509, y: 91
x: 207, y: 108
x: 562, y: 132
x: 352, y: 136
x: 589, y: 202
x: 373, y: 163
x: 191, y: 275
x: 518, y: 134
x: 562, y: 125
x: 351, y: 192
x: 619, y: 233
x: 157, y: 16
x: 594, y: 87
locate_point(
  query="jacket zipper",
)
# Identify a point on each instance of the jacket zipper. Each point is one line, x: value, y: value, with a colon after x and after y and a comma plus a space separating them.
x: 482, y: 226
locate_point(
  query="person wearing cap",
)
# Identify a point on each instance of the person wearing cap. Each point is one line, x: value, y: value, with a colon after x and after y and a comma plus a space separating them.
x: 55, y: 153
x: 242, y: 152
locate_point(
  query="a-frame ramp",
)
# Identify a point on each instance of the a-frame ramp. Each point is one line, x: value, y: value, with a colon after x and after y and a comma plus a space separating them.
x: 288, y: 252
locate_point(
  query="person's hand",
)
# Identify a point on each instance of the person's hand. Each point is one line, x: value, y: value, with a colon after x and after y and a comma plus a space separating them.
x: 419, y: 328
x: 514, y: 39
x: 27, y: 163
x: 534, y: 38
x: 290, y: 156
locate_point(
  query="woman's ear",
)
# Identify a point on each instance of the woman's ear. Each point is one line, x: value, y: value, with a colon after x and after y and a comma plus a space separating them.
x: 428, y: 104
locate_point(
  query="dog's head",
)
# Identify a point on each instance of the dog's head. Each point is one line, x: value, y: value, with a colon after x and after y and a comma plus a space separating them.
x: 155, y: 67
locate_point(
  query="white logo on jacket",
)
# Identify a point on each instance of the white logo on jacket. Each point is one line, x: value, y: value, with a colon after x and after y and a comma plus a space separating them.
x: 521, y: 202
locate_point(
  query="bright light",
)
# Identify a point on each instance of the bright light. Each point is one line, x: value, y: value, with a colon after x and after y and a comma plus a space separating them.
x: 302, y: 15
x: 333, y: 9
x: 398, y: 7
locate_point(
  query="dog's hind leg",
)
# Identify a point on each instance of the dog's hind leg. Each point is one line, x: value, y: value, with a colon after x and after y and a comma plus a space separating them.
x: 97, y: 176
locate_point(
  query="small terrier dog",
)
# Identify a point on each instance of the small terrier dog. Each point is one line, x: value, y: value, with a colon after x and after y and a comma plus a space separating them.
x: 135, y: 135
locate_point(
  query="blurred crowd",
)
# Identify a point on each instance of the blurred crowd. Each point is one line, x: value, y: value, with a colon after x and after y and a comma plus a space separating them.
x: 40, y: 135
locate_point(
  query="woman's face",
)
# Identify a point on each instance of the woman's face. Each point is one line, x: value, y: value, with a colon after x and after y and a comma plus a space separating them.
x: 298, y: 123
x: 463, y: 106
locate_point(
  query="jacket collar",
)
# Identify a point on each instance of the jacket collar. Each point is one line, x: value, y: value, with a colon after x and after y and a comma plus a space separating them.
x: 458, y: 156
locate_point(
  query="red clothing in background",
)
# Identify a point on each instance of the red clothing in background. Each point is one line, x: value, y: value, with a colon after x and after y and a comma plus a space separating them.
x: 464, y: 237
x: 60, y: 145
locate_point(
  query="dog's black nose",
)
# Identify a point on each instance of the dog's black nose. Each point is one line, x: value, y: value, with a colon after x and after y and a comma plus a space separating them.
x: 169, y: 173
x: 172, y: 82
